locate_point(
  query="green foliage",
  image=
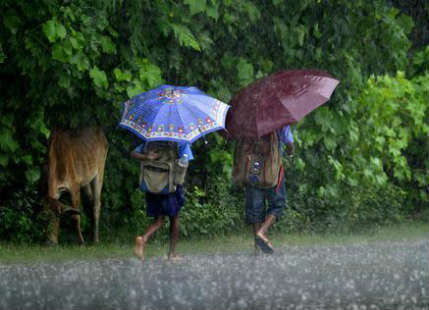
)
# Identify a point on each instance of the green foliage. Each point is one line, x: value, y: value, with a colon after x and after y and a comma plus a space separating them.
x: 396, y: 145
x: 23, y: 222
x: 212, y: 212
x: 420, y: 63
x: 70, y: 63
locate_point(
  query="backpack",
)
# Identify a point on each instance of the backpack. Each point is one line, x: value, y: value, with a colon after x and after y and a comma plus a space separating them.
x: 257, y: 162
x: 161, y: 176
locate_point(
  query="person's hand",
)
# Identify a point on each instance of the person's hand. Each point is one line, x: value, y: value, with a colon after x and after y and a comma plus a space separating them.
x: 152, y: 155
x: 145, y: 156
x: 290, y: 149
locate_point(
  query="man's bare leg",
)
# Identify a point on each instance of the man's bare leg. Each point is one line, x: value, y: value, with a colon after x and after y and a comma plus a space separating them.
x: 174, y: 236
x: 256, y: 227
x: 262, y: 231
x: 142, y: 240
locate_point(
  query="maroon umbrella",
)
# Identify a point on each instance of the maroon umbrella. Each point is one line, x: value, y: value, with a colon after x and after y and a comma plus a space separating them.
x: 277, y: 100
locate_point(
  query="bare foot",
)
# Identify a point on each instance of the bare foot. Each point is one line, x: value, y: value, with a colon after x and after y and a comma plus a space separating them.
x: 174, y: 258
x: 266, y: 246
x: 139, y: 248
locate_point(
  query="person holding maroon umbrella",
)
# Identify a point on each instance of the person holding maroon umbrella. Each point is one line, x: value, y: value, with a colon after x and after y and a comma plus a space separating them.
x: 258, y: 165
x: 259, y: 120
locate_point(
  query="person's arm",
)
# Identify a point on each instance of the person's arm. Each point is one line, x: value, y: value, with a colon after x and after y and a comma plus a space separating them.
x: 287, y: 138
x: 290, y: 149
x: 185, y: 148
x: 136, y: 155
x: 139, y: 155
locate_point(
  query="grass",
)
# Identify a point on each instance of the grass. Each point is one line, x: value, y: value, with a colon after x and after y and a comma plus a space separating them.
x: 240, y: 242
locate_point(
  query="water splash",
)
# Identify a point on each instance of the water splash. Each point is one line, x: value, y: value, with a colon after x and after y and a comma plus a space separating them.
x: 359, y: 276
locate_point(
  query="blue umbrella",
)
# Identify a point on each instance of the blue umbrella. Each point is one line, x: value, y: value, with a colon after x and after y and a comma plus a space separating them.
x: 173, y: 113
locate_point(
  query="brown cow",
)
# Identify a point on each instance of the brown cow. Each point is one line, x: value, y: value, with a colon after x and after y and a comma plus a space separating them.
x: 76, y: 161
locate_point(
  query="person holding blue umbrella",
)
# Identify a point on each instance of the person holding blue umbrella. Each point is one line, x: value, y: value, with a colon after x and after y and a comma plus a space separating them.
x: 168, y: 119
x: 161, y: 203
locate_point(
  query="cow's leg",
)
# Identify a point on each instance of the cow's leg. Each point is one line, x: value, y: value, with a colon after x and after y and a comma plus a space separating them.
x: 52, y: 207
x: 88, y: 192
x: 97, y: 184
x: 75, y: 196
x: 53, y: 229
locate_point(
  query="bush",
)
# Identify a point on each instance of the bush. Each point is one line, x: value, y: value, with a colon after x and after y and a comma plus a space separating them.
x: 87, y: 57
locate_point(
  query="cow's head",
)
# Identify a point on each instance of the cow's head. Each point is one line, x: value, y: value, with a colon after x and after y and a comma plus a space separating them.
x: 55, y: 208
x: 60, y: 208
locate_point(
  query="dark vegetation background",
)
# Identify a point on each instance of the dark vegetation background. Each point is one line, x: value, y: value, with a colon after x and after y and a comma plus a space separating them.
x: 362, y: 159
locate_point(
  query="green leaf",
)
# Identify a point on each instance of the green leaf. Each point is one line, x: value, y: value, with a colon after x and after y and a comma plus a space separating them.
x: 7, y: 142
x: 54, y: 30
x: 252, y: 11
x: 185, y: 36
x: 339, y: 175
x: 367, y: 172
x: 196, y: 6
x: 245, y: 71
x: 122, y: 75
x: 68, y: 48
x: 99, y: 77
x: 151, y: 74
x: 80, y: 60
x: 213, y: 12
x: 58, y: 52
x: 316, y: 32
x: 74, y: 42
x: 301, y: 32
x: 60, y: 30
x: 49, y: 30
x: 32, y: 175
x: 228, y: 61
x: 329, y: 142
x: 4, y: 160
x: 107, y: 45
x: 64, y: 80
x: 27, y: 159
x: 134, y: 89
x: 12, y: 21
x: 300, y: 164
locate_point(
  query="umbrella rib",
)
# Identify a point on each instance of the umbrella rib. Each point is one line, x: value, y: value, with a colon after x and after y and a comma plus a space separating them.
x: 181, y: 120
x: 200, y: 103
x: 194, y: 115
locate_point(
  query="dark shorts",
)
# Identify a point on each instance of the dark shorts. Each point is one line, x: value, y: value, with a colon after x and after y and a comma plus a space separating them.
x: 168, y: 204
x: 257, y: 198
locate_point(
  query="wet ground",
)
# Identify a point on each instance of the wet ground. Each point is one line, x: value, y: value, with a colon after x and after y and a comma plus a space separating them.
x: 355, y: 277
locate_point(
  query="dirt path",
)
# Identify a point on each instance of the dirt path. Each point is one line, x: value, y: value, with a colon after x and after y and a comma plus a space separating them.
x: 359, y: 276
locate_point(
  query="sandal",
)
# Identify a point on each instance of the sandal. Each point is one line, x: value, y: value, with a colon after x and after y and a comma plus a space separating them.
x: 264, y: 245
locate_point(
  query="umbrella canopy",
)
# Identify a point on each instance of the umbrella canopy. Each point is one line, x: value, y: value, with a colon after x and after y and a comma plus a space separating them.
x: 173, y: 113
x: 277, y: 100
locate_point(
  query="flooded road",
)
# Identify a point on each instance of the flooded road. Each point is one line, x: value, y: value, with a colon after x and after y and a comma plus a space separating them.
x: 358, y: 276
